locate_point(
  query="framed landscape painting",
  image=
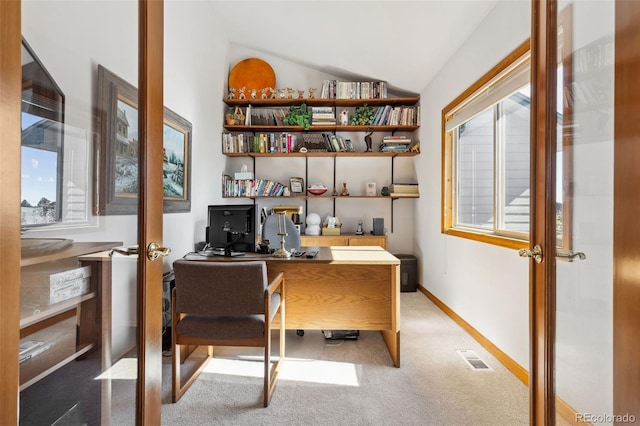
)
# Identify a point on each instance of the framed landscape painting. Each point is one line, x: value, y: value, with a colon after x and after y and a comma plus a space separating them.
x: 117, y: 156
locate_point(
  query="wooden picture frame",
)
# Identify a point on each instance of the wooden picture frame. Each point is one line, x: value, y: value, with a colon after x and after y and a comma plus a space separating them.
x: 296, y: 185
x: 116, y: 159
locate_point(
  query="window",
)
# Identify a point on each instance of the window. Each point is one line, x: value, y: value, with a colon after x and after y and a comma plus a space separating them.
x: 486, y: 156
x: 42, y: 144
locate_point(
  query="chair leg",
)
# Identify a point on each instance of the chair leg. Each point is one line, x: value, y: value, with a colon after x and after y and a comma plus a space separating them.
x: 177, y: 387
x: 267, y: 368
x: 271, y: 372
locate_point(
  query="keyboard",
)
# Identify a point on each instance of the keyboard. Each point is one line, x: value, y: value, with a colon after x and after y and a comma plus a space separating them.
x: 312, y: 252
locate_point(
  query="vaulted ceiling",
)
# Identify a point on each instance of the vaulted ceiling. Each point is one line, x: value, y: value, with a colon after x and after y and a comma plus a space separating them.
x: 403, y: 42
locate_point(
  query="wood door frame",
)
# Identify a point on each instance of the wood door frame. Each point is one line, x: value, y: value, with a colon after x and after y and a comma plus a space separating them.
x: 543, y: 158
x: 626, y: 198
x: 151, y: 17
x: 626, y: 228
x: 150, y: 198
x: 10, y: 134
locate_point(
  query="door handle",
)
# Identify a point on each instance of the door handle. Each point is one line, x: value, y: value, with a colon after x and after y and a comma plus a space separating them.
x: 154, y: 251
x: 569, y: 255
x: 536, y: 253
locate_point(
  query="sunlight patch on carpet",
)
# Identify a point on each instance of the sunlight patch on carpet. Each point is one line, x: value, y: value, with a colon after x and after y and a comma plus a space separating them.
x: 298, y: 369
x: 124, y: 369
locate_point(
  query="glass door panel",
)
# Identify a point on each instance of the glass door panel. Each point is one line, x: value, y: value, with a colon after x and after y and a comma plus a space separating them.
x: 79, y: 152
x: 584, y: 181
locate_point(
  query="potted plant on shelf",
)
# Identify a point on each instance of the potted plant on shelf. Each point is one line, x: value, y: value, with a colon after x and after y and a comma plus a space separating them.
x: 363, y: 116
x: 298, y: 116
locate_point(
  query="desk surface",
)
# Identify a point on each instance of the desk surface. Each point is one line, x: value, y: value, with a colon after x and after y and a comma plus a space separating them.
x: 335, y: 255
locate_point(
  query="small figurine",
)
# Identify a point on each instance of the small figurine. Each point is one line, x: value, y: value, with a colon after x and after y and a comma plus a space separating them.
x: 345, y: 191
x: 263, y: 93
x: 282, y: 93
x: 334, y: 192
x: 272, y: 93
x: 312, y: 93
x: 253, y: 93
x: 344, y: 117
x: 300, y: 94
x: 241, y: 94
x: 367, y: 140
x: 232, y: 93
x: 290, y: 91
x: 313, y: 224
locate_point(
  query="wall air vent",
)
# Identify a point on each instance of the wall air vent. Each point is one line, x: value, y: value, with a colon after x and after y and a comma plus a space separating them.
x: 473, y: 360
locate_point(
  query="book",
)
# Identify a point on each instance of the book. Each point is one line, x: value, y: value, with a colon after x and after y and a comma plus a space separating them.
x: 31, y: 348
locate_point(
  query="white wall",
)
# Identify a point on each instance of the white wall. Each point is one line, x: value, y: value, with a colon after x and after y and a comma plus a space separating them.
x: 85, y: 34
x: 484, y: 284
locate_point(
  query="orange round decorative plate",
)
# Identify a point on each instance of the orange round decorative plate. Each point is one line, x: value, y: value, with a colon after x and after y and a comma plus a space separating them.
x: 252, y: 73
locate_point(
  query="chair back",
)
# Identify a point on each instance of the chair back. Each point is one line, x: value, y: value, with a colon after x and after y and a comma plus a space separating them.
x: 220, y: 288
x: 270, y: 231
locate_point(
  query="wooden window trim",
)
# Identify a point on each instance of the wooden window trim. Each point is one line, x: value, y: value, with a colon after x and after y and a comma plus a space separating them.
x: 447, y: 160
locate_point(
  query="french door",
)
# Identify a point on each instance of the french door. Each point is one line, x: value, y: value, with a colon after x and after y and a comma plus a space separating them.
x: 70, y: 39
x: 585, y: 280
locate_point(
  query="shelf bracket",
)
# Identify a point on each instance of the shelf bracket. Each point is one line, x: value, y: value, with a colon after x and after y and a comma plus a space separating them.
x: 334, y: 183
x: 306, y: 182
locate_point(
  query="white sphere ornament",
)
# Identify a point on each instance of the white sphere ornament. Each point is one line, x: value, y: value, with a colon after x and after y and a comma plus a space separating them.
x: 313, y: 224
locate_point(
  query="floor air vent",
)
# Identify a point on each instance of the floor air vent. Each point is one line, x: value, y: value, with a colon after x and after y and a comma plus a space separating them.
x: 473, y: 360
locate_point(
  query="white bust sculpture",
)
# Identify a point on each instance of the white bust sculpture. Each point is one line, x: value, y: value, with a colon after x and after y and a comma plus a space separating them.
x: 313, y: 224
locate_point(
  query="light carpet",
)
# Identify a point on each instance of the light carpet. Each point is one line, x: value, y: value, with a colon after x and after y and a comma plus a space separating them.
x: 355, y: 383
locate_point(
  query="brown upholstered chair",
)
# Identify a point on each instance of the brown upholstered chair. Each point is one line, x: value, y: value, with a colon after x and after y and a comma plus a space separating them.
x: 225, y: 304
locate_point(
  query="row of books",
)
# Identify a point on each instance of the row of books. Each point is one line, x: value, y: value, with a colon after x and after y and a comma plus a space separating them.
x: 384, y: 116
x: 395, y: 144
x: 262, y: 142
x: 408, y: 190
x: 335, y: 143
x: 265, y: 116
x: 251, y: 187
x: 397, y: 116
x: 597, y: 55
x: 322, y: 116
x: 333, y: 89
x: 586, y: 93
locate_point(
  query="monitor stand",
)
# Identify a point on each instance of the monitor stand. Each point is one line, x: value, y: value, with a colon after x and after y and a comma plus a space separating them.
x: 211, y: 252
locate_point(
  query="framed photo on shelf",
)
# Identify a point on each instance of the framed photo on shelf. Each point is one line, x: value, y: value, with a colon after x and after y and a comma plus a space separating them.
x: 349, y: 145
x: 371, y: 189
x: 296, y: 185
x: 117, y: 155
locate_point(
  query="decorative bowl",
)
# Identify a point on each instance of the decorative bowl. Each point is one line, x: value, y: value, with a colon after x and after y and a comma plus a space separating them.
x: 316, y: 190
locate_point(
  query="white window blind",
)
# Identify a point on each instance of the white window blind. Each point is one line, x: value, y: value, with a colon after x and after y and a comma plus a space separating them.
x: 504, y: 84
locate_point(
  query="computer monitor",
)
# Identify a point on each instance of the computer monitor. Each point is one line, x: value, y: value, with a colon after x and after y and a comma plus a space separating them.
x: 232, y: 228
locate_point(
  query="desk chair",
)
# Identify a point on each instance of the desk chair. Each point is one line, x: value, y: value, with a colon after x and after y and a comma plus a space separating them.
x: 225, y: 304
x: 270, y: 232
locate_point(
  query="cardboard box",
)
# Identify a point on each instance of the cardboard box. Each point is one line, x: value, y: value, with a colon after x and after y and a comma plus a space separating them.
x: 53, y: 282
x: 331, y: 231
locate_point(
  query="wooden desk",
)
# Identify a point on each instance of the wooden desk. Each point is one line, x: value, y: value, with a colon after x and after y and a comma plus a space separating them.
x: 342, y: 288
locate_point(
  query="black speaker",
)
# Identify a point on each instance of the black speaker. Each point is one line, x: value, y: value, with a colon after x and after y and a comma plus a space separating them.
x: 378, y: 226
